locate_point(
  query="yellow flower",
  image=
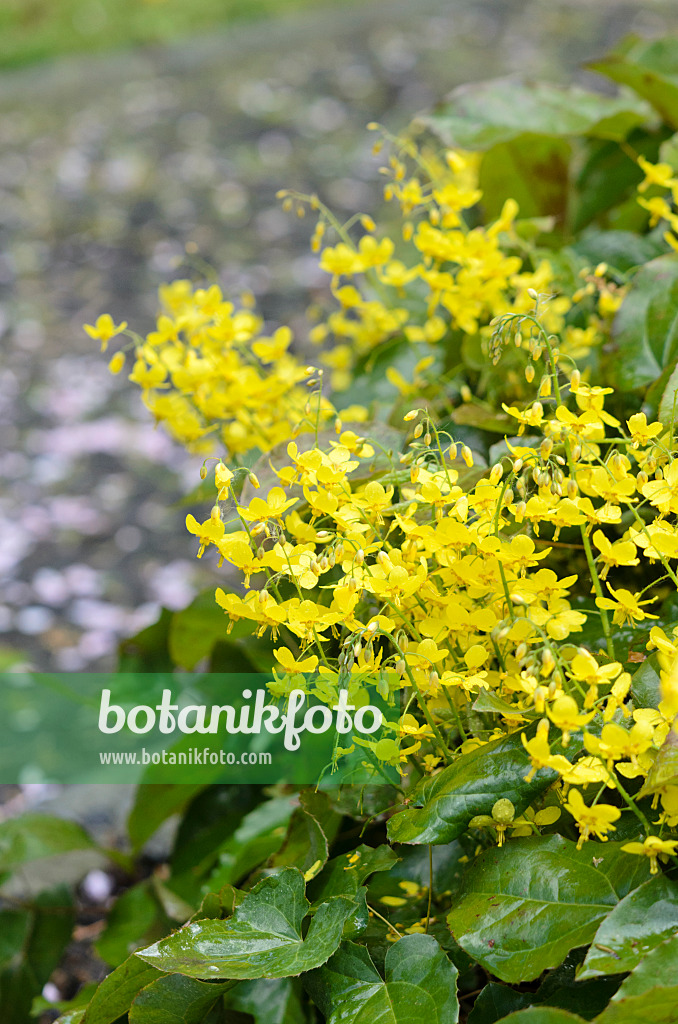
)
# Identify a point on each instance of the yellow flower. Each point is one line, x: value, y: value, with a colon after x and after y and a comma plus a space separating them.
x: 626, y: 606
x: 540, y: 752
x: 209, y: 532
x: 654, y: 848
x: 642, y: 432
x: 596, y: 820
x: 564, y: 713
x: 655, y: 174
x: 615, y: 743
x: 104, y: 329
x: 285, y: 658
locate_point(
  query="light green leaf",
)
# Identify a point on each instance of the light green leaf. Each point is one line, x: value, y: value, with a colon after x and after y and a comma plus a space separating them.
x: 535, y: 171
x: 649, y: 68
x: 664, y: 769
x: 650, y: 993
x: 543, y: 1015
x: 642, y: 920
x: 174, y: 999
x: 72, y: 1017
x: 645, y: 329
x: 420, y: 985
x: 115, y: 994
x: 526, y: 905
x: 34, y: 836
x: 263, y: 938
x: 470, y: 786
x: 482, y: 114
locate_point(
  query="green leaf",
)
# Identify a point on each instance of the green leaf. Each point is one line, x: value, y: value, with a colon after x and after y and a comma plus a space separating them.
x: 480, y: 115
x: 34, y: 836
x: 259, y: 835
x: 668, y: 403
x: 131, y: 917
x: 637, y: 924
x: 646, y: 326
x: 495, y: 1002
x: 311, y: 825
x: 195, y: 630
x: 543, y: 1015
x: 645, y: 684
x: 466, y: 788
x: 533, y: 170
x: 664, y: 769
x: 49, y: 928
x: 623, y: 250
x: 72, y: 1017
x: 650, y: 69
x: 587, y: 998
x: 526, y: 905
x: 344, y: 875
x: 174, y: 999
x: 153, y: 804
x: 271, y: 1001
x: 420, y: 985
x: 263, y: 938
x: 117, y: 992
x: 650, y: 992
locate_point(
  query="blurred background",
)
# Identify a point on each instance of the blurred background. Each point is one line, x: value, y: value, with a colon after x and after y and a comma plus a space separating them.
x: 131, y: 129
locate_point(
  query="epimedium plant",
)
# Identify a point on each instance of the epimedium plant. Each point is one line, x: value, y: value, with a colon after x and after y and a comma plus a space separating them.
x: 469, y: 502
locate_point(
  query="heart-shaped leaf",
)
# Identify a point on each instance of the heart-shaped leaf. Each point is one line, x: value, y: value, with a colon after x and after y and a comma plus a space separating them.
x: 650, y: 992
x: 419, y: 985
x: 642, y: 920
x: 526, y: 905
x: 263, y: 938
x: 646, y: 326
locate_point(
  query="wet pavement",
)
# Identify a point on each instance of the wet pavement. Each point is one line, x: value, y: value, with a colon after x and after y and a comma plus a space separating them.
x: 108, y: 168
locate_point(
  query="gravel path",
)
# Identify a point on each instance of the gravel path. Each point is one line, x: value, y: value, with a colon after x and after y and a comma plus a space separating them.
x: 108, y: 167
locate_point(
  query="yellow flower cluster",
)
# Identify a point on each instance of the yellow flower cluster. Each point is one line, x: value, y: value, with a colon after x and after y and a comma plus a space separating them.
x: 416, y: 566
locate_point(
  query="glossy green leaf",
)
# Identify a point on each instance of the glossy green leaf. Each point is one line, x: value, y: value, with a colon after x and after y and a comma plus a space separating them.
x: 645, y: 684
x: 263, y: 938
x: 650, y: 992
x: 271, y: 1001
x: 419, y: 985
x: 116, y: 993
x: 524, y: 906
x: 650, y: 68
x: 469, y: 786
x: 482, y: 114
x: 664, y: 769
x: 645, y: 329
x: 34, y: 836
x: 642, y: 920
x: 72, y: 1017
x: 174, y: 999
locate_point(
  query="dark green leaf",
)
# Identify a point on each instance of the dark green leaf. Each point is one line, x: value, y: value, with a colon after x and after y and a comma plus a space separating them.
x: 116, y: 993
x: 50, y: 924
x: 420, y: 985
x: 482, y: 114
x: 495, y: 1002
x: 344, y: 875
x: 524, y: 906
x: 131, y: 917
x: 466, y: 788
x: 263, y: 938
x: 34, y: 836
x: 650, y: 68
x: 194, y: 631
x: 271, y: 1001
x: 153, y: 804
x: 646, y: 326
x: 645, y: 684
x: 312, y: 826
x: 650, y: 992
x: 642, y: 920
x: 173, y: 999
x: 148, y: 650
x: 259, y: 834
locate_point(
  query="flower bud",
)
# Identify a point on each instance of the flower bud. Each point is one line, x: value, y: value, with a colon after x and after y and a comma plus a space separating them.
x: 503, y: 811
x: 496, y: 473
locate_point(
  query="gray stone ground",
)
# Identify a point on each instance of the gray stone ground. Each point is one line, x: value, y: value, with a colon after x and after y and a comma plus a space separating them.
x: 108, y: 167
